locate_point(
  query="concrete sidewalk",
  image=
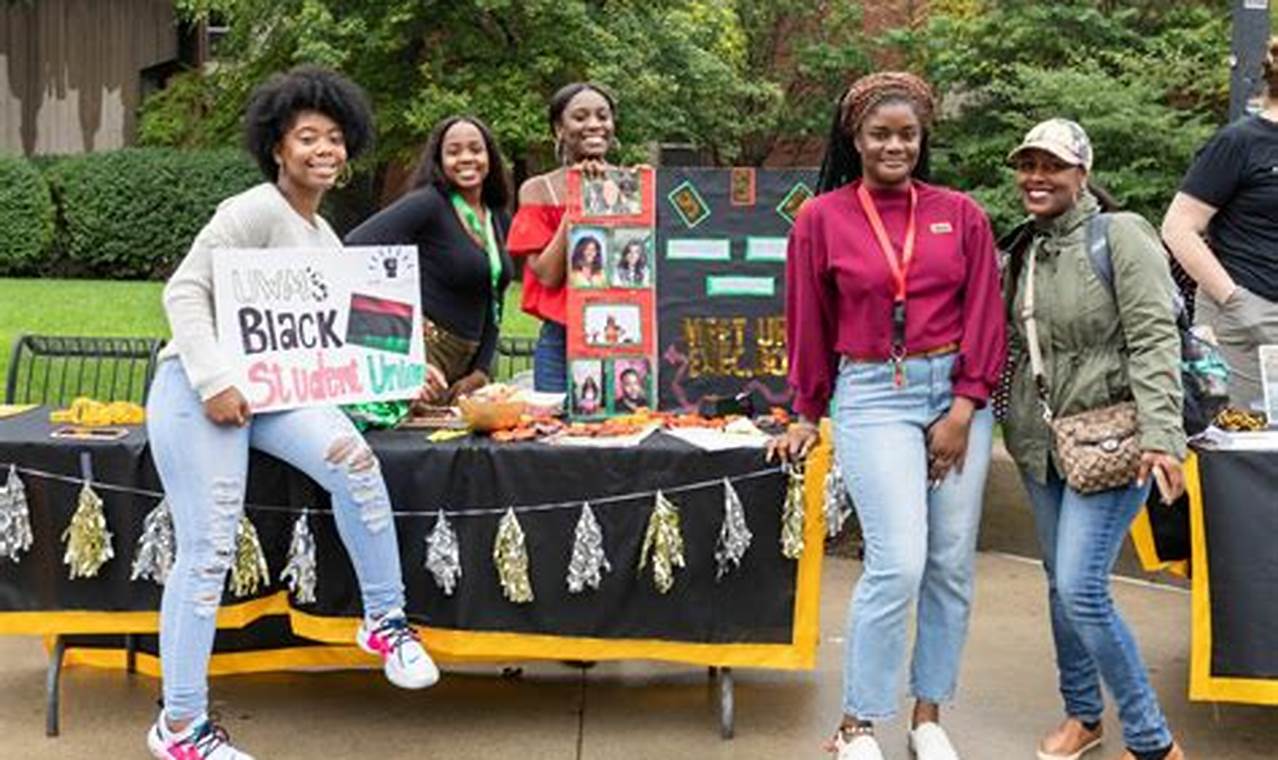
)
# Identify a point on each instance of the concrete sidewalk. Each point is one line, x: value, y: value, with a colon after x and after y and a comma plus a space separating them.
x: 639, y: 709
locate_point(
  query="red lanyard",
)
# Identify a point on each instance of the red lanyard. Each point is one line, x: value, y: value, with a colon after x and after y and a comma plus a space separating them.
x: 900, y: 265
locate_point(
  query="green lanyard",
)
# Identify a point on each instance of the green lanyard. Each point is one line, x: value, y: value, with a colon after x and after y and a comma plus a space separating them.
x: 483, y: 231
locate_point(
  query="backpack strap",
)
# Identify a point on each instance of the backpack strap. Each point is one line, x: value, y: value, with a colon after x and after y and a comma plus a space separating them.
x: 1103, y: 265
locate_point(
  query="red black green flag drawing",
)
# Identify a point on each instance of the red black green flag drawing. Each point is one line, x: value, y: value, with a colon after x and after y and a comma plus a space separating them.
x: 380, y: 323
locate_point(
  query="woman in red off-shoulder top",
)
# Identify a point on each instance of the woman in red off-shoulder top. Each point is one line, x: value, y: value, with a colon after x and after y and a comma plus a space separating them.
x: 582, y: 117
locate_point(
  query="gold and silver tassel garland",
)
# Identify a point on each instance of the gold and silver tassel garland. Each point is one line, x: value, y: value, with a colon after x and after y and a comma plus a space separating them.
x: 588, y: 562
x: 836, y: 505
x: 734, y: 536
x: 792, y: 514
x: 15, y: 519
x: 249, y: 572
x: 443, y: 555
x: 511, y: 557
x: 300, y: 570
x: 87, y: 538
x: 153, y: 558
x: 664, y: 541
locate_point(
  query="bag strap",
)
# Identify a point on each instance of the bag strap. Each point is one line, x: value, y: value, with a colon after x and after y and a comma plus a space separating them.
x: 1031, y: 339
x: 1103, y: 266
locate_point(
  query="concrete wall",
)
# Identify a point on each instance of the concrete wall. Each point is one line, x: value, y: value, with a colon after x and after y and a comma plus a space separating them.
x: 70, y: 71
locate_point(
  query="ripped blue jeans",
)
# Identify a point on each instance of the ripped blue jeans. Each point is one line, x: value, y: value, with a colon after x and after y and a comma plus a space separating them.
x: 203, y: 468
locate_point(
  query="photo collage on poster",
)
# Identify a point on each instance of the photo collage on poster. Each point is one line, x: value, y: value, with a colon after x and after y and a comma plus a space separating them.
x: 611, y: 293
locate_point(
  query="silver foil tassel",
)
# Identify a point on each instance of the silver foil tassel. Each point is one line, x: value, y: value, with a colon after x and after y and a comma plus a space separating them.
x: 443, y: 555
x: 792, y: 513
x: 836, y: 504
x: 734, y: 536
x: 87, y: 538
x: 300, y: 570
x: 664, y: 542
x: 510, y: 555
x: 153, y: 558
x: 588, y: 562
x: 15, y: 519
x: 249, y: 571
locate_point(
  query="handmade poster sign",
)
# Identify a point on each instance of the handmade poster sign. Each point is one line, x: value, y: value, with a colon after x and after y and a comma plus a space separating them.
x: 721, y: 249
x: 316, y: 327
x: 612, y: 336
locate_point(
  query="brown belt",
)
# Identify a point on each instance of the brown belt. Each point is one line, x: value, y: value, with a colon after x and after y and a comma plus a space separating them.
x: 948, y: 348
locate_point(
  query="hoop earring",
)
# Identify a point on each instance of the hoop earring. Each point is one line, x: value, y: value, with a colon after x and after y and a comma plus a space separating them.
x: 344, y: 177
x: 614, y: 144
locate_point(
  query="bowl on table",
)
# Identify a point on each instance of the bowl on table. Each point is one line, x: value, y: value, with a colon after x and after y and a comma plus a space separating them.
x: 487, y: 415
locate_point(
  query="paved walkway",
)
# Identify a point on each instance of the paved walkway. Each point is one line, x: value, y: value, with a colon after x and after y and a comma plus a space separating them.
x: 640, y: 710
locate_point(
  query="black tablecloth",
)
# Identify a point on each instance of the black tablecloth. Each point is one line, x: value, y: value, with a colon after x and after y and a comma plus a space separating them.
x: 755, y: 603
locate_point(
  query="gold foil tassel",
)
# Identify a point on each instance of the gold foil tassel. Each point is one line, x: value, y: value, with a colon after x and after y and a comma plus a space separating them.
x: 87, y: 538
x: 510, y: 555
x: 792, y: 514
x: 249, y: 572
x: 664, y: 542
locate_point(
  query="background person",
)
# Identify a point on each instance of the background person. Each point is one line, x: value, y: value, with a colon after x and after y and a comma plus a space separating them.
x: 1230, y: 194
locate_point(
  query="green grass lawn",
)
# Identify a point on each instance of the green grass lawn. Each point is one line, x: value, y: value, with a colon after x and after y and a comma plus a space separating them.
x: 125, y: 309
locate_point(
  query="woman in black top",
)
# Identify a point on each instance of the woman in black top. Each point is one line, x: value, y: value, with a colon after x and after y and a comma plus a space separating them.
x: 456, y: 214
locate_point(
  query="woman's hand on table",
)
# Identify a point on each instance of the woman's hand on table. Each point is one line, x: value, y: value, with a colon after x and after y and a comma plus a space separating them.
x: 434, y: 388
x: 228, y: 408
x: 795, y: 443
x: 1168, y: 472
x: 947, y: 440
x: 467, y: 385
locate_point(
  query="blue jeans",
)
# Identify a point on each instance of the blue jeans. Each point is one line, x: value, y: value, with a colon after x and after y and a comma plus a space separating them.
x: 920, y: 543
x: 203, y: 468
x: 550, y: 365
x: 1080, y: 537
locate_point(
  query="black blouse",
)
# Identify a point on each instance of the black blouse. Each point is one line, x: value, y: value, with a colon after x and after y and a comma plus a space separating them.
x: 456, y: 279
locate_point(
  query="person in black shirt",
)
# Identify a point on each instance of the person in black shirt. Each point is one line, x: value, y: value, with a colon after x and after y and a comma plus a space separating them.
x: 1231, y: 195
x: 456, y: 214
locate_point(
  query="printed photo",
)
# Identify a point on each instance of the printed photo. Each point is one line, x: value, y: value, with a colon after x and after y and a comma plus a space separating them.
x: 632, y: 257
x: 587, y: 252
x: 1269, y: 380
x: 633, y: 389
x: 613, y: 324
x: 617, y: 193
x: 587, y: 387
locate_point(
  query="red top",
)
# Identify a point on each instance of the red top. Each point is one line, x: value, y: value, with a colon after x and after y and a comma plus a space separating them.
x: 839, y: 289
x: 532, y: 229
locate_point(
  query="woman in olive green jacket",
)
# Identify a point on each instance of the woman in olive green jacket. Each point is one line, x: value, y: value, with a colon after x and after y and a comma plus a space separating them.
x: 1101, y: 344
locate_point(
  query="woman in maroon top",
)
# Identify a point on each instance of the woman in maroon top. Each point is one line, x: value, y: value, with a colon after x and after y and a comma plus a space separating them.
x: 893, y: 310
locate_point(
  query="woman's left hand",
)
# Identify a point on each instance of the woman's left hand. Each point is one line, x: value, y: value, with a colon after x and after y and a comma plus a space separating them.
x: 434, y: 388
x: 947, y: 440
x: 467, y: 385
x: 1168, y: 474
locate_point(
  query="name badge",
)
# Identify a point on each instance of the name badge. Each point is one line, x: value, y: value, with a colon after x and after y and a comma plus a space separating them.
x: 941, y: 228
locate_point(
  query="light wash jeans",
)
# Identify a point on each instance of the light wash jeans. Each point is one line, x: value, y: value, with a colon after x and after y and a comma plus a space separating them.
x: 550, y: 363
x: 1080, y: 537
x: 920, y: 543
x: 203, y: 468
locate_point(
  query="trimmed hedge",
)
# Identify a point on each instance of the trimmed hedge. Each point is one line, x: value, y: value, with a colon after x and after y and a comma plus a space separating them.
x: 26, y: 217
x: 133, y: 213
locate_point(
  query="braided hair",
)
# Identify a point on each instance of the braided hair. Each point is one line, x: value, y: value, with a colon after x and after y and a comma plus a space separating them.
x: 842, y: 162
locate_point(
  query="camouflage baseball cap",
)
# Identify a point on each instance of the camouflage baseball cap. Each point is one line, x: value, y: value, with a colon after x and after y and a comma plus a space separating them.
x: 1062, y: 138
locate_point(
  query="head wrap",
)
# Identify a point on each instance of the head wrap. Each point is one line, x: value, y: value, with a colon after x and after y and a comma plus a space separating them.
x: 869, y: 91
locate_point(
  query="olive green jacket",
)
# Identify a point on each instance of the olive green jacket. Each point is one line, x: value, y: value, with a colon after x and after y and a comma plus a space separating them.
x: 1098, y: 349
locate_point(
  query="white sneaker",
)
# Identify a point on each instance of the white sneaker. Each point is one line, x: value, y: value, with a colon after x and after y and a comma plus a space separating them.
x: 404, y: 659
x: 860, y: 747
x: 929, y: 742
x: 202, y: 740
